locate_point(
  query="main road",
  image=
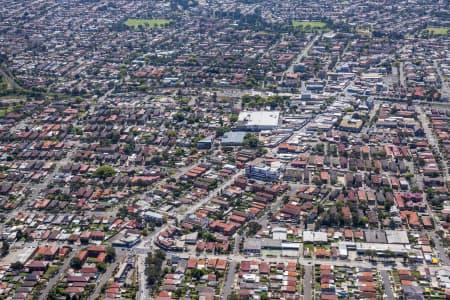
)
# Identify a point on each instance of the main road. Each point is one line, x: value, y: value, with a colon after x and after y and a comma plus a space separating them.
x: 300, y: 56
x: 8, y: 78
x: 445, y: 85
x: 142, y: 293
x: 238, y: 258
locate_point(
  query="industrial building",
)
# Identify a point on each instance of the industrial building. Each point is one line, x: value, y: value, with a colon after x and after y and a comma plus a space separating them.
x: 233, y: 138
x: 258, y: 120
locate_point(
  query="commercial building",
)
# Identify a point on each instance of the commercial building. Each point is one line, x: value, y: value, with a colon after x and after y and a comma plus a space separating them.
x: 254, y: 246
x: 351, y: 124
x: 205, y: 143
x: 151, y: 216
x: 262, y: 172
x: 258, y: 120
x: 126, y: 240
x: 316, y: 237
x: 233, y: 138
x: 279, y: 233
x: 378, y: 248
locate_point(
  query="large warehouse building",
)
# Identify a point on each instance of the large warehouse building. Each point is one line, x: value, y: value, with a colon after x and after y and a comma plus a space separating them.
x: 258, y: 120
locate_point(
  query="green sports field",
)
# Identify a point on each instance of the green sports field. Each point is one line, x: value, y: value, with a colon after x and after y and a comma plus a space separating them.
x: 310, y: 24
x: 437, y: 30
x: 151, y: 23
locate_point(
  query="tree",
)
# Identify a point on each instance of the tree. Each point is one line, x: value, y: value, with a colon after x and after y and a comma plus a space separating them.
x: 320, y: 148
x: 372, y: 253
x: 53, y: 294
x: 17, y: 266
x: 110, y: 253
x: 105, y: 171
x: 320, y: 209
x: 76, y: 263
x: 233, y: 118
x: 19, y: 235
x: 250, y: 141
x: 253, y: 228
x: 349, y: 109
x: 160, y: 254
x: 197, y: 274
x: 220, y: 131
x: 394, y: 110
x: 101, y: 266
x: 171, y: 133
x: 5, y: 248
x: 208, y: 236
x: 179, y: 116
x: 389, y: 253
x: 154, y: 266
x: 264, y: 296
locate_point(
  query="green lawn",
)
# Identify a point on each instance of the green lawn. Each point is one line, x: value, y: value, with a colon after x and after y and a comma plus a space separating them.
x: 50, y: 272
x: 5, y: 111
x: 151, y: 23
x: 309, y: 246
x: 364, y: 31
x: 437, y: 30
x: 311, y: 24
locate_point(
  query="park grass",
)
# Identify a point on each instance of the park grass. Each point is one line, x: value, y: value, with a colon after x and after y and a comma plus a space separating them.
x: 5, y: 111
x: 311, y: 24
x: 150, y: 23
x: 366, y: 31
x: 438, y: 30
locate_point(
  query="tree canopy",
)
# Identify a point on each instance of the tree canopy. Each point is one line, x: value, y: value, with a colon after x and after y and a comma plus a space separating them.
x: 105, y: 171
x: 250, y: 141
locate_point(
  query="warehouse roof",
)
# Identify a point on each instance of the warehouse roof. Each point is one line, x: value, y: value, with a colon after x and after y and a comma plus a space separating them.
x: 259, y: 118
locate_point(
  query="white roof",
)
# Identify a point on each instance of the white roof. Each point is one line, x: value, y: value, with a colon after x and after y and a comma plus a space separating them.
x: 397, y: 236
x: 259, y: 118
x: 314, y: 236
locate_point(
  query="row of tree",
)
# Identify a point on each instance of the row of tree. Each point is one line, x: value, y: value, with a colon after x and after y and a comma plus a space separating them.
x: 154, y: 271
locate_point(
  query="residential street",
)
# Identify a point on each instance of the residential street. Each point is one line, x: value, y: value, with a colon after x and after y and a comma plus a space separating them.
x: 270, y: 149
x: 228, y: 283
x: 308, y: 283
x: 120, y: 256
x: 387, y: 284
x: 59, y: 275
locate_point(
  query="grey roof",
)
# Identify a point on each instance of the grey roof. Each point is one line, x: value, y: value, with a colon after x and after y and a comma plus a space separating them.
x: 208, y: 139
x: 152, y: 214
x: 397, y: 237
x: 233, y: 137
x: 252, y: 244
x: 375, y: 236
